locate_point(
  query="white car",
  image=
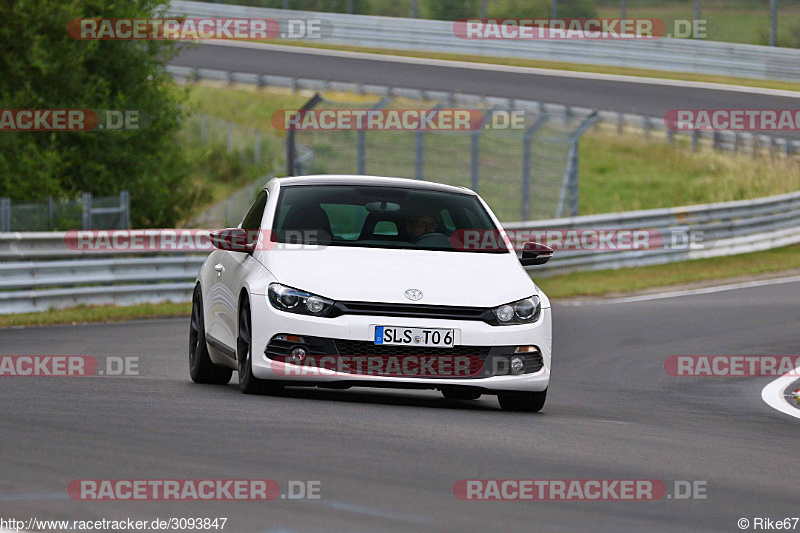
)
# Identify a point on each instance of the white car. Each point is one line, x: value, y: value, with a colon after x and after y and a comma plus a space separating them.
x: 342, y: 281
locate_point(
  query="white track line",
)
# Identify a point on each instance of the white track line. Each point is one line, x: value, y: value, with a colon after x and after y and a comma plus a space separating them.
x: 688, y: 292
x: 505, y: 68
x: 773, y: 393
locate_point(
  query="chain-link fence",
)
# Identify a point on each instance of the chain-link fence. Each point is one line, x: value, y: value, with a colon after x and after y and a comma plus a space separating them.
x: 56, y: 214
x: 525, y: 171
x: 249, y: 144
x: 231, y: 211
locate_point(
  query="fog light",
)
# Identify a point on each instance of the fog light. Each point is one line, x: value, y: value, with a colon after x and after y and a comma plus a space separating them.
x: 517, y: 365
x: 297, y: 355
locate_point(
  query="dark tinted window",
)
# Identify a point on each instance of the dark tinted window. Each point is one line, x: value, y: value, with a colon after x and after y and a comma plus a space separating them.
x: 377, y: 217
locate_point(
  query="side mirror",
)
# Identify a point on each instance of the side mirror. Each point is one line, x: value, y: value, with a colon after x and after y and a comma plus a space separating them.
x: 534, y: 253
x: 232, y: 240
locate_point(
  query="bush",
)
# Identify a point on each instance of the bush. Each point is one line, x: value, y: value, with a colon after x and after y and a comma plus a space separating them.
x: 451, y: 9
x: 577, y: 9
x: 518, y: 9
x: 44, y: 68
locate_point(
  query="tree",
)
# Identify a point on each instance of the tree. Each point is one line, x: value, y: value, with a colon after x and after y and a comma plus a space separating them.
x: 44, y: 68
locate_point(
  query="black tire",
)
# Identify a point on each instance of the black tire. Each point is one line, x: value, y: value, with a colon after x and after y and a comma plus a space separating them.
x: 460, y: 394
x: 201, y: 369
x: 248, y: 383
x: 529, y: 402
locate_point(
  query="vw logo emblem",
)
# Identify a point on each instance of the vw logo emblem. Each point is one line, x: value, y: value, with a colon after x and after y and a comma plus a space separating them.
x: 413, y: 294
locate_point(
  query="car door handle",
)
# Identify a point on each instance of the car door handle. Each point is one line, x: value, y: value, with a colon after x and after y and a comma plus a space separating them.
x: 220, y: 269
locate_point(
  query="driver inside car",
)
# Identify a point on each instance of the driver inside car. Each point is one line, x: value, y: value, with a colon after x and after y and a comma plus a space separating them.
x: 420, y: 225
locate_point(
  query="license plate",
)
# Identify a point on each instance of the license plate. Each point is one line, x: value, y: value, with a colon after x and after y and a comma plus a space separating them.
x: 399, y: 336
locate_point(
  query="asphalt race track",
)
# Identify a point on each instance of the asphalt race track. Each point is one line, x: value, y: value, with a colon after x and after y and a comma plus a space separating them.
x: 388, y: 460
x: 644, y: 98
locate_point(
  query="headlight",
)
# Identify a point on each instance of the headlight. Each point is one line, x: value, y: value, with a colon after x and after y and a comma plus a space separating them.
x: 522, y: 311
x: 297, y: 301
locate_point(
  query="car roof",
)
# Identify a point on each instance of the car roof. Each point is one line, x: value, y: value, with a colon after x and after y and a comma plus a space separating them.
x: 343, y: 179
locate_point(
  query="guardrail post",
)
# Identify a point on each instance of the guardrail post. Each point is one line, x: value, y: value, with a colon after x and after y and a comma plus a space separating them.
x: 620, y: 122
x: 789, y: 148
x: 717, y: 141
x: 695, y: 140
x: 527, y: 139
x: 476, y: 159
x: 5, y: 214
x: 86, y: 215
x: 125, y: 210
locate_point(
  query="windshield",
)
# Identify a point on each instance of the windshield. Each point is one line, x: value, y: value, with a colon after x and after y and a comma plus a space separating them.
x: 378, y: 217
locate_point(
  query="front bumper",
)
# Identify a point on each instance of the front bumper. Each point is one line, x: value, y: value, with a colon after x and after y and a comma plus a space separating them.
x: 268, y: 322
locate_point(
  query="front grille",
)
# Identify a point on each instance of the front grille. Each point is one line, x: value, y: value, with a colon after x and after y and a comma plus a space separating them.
x: 356, y: 348
x: 412, y: 310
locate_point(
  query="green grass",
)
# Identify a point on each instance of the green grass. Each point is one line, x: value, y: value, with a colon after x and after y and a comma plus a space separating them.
x: 627, y: 172
x: 597, y: 283
x: 624, y: 280
x: 745, y: 22
x: 100, y: 313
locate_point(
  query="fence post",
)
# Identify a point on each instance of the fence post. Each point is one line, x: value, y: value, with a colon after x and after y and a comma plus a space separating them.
x: 419, y: 154
x: 695, y: 139
x: 125, y: 210
x: 527, y: 138
x: 5, y: 214
x: 257, y: 146
x: 419, y: 148
x: 86, y: 204
x: 620, y: 122
x: 291, y: 148
x: 476, y: 160
x: 361, y: 138
x: 570, y: 186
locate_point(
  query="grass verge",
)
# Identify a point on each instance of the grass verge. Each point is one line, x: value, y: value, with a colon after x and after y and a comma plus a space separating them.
x: 99, y: 313
x: 626, y: 280
x: 597, y: 283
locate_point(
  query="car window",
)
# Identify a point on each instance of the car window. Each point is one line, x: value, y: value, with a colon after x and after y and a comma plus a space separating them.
x: 375, y: 216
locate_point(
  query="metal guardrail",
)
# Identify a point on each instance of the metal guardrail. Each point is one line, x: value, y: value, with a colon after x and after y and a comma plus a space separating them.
x: 30, y: 282
x: 681, y: 55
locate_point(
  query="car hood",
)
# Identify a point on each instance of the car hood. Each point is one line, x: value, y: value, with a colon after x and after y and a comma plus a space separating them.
x: 382, y: 275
